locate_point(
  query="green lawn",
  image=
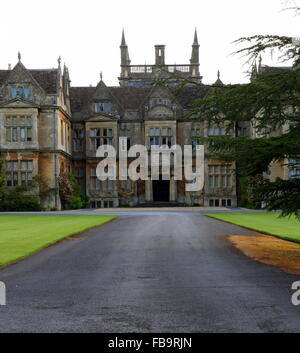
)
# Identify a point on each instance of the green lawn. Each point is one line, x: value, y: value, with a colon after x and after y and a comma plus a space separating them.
x: 269, y: 223
x: 21, y: 236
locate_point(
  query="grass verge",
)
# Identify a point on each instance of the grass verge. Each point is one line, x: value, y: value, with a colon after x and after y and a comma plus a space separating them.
x: 22, y: 235
x: 268, y: 223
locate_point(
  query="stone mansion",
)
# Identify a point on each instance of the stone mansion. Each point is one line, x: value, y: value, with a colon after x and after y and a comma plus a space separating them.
x: 48, y: 127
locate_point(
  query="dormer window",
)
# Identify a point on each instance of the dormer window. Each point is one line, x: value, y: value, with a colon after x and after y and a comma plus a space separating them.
x: 159, y: 101
x: 104, y: 107
x: 19, y: 92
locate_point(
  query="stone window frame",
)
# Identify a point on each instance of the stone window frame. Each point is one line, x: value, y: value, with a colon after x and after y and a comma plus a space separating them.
x: 62, y: 132
x: 159, y: 101
x: 159, y: 136
x: 294, y: 168
x: 78, y: 139
x: 79, y: 173
x: 223, y: 203
x: 241, y: 131
x: 219, y: 176
x: 18, y: 128
x: 100, y: 185
x: 126, y: 185
x: 25, y: 91
x: 19, y: 172
x: 107, y: 203
x: 216, y: 131
x: 100, y: 136
x: 94, y: 181
x: 102, y: 107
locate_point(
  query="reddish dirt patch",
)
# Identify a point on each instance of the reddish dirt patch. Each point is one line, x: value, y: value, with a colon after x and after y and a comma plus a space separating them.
x: 269, y: 250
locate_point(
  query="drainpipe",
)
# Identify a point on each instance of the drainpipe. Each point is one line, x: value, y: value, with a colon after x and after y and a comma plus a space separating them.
x: 55, y: 156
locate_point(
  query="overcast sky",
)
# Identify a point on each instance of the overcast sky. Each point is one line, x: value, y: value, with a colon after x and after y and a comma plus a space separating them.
x: 87, y: 33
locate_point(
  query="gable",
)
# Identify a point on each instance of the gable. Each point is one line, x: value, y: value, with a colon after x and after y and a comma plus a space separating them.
x: 20, y: 75
x: 102, y: 117
x: 18, y: 103
x: 163, y: 97
x: 102, y: 92
x: 161, y: 92
x: 20, y: 84
x: 160, y: 111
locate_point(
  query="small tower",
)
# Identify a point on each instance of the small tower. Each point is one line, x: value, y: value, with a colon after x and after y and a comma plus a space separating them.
x: 194, y: 61
x: 125, y: 61
x: 160, y: 55
x: 254, y: 71
x: 259, y: 70
x: 218, y: 81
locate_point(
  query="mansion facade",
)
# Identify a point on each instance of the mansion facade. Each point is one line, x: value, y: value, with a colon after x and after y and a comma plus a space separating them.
x: 48, y: 127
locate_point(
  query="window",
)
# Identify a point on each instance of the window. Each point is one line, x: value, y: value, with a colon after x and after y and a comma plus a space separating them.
x: 78, y: 136
x: 19, y: 172
x: 100, y: 137
x: 96, y: 184
x: 12, y: 178
x: 160, y: 137
x: 102, y: 107
x: 294, y: 166
x: 126, y: 185
x: 216, y: 131
x: 225, y: 176
x: 19, y: 92
x: 108, y: 204
x: 96, y: 204
x: 213, y: 176
x: 26, y: 172
x: 94, y: 181
x: 219, y: 176
x: 79, y: 174
x: 18, y: 128
x: 62, y: 140
x: 159, y: 101
x: 154, y: 131
x: 107, y: 185
x: 196, y: 141
x: 196, y: 132
x: 241, y: 131
x: 217, y: 203
x: 66, y: 136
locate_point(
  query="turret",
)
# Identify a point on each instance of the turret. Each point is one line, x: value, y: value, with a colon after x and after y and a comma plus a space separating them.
x: 160, y: 55
x: 124, y: 51
x: 194, y: 61
x: 125, y: 61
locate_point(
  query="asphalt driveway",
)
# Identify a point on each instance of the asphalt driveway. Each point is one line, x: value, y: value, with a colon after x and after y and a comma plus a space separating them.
x: 168, y: 272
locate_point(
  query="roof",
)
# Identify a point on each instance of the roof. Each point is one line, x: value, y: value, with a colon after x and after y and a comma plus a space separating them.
x: 3, y: 75
x: 267, y: 70
x: 79, y: 96
x: 46, y: 78
x: 186, y: 95
x: 131, y: 98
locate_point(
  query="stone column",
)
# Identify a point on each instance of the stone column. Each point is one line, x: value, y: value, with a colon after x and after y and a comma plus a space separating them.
x: 148, y: 190
x: 173, y: 189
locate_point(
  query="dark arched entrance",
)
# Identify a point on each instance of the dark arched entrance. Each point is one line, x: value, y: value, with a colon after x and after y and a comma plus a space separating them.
x: 161, y: 190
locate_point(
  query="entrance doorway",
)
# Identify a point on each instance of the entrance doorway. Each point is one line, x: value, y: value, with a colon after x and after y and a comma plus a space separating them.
x: 161, y: 190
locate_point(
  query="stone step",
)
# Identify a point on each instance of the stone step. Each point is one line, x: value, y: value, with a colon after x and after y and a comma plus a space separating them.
x: 161, y: 204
